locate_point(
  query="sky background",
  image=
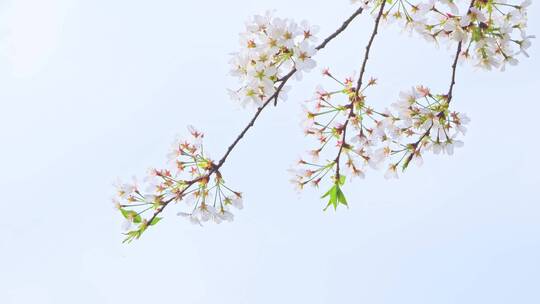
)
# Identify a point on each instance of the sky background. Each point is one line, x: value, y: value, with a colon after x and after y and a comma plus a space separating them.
x: 95, y: 90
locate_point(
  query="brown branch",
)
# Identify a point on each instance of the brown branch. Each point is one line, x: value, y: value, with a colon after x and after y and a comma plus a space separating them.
x: 358, y: 86
x: 328, y: 39
x: 454, y: 64
x: 342, y: 28
x: 454, y: 68
x: 273, y: 97
x: 450, y: 93
x: 252, y: 122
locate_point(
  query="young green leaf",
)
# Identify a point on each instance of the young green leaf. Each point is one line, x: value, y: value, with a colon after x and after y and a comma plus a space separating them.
x: 341, y: 197
x: 155, y: 221
x: 131, y: 215
x: 332, y: 194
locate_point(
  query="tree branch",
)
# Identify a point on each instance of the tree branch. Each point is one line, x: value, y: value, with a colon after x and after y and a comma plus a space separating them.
x: 358, y: 85
x: 340, y: 29
x: 274, y: 97
x: 450, y: 93
x: 454, y: 64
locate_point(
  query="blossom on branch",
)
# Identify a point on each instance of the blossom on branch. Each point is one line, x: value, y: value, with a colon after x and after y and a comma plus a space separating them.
x: 351, y: 135
x: 419, y: 122
x: 270, y: 48
x: 190, y: 180
x: 494, y: 33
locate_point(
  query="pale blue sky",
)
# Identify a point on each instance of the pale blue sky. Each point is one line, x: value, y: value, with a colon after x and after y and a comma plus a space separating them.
x: 95, y: 90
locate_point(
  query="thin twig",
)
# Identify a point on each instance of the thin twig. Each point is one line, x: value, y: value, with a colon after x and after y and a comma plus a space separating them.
x: 340, y: 29
x: 450, y: 93
x: 328, y: 39
x: 358, y: 86
x: 454, y: 64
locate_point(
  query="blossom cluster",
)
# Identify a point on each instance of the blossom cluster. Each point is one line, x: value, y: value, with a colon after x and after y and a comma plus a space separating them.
x: 270, y: 48
x: 493, y: 33
x: 190, y: 177
x: 353, y: 136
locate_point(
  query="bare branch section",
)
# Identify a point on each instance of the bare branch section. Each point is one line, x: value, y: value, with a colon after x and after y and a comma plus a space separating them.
x: 274, y: 97
x: 454, y: 64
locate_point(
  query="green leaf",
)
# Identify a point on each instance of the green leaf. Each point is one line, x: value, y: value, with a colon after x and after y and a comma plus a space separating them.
x: 131, y: 215
x: 407, y: 162
x: 341, y: 180
x: 327, y: 193
x: 341, y: 197
x: 136, y: 234
x: 155, y: 221
x: 202, y: 164
x: 335, y: 196
x: 125, y: 213
x: 131, y: 235
x: 332, y: 194
x: 476, y: 34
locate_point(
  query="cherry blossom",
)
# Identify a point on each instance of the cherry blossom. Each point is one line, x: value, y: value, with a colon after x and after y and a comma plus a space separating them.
x: 494, y: 33
x: 350, y: 135
x: 186, y: 181
x: 270, y: 48
x: 417, y: 123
